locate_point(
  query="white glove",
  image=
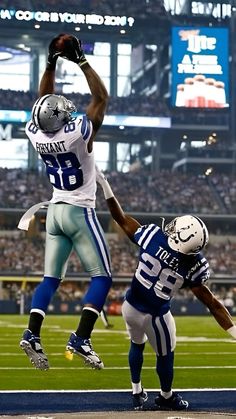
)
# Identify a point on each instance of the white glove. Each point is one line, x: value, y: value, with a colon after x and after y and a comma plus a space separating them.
x: 232, y: 331
x: 100, y: 177
x: 102, y: 180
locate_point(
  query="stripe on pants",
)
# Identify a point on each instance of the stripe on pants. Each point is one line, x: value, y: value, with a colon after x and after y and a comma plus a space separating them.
x: 99, y: 241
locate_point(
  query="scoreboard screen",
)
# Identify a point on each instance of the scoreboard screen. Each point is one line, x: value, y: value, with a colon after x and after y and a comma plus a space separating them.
x: 200, y: 67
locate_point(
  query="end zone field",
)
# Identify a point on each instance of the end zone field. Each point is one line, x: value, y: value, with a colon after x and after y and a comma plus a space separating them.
x: 205, y: 356
x: 204, y: 359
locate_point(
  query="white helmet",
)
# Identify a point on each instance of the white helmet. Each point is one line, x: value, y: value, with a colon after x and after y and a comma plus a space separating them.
x: 187, y: 234
x: 51, y: 112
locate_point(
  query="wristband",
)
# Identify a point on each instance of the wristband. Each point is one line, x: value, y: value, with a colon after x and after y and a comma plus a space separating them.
x: 81, y: 63
x: 52, y: 61
x: 51, y: 66
x: 232, y: 331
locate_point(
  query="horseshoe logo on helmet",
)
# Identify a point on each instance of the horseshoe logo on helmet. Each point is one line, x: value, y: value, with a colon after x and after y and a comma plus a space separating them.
x: 184, y: 240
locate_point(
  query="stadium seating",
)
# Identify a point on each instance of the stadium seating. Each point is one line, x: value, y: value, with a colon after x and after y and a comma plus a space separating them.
x: 138, y: 191
x: 22, y: 255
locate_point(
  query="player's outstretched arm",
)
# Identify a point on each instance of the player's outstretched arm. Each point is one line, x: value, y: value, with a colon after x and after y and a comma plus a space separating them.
x: 216, y: 308
x: 47, y: 82
x: 128, y: 224
x: 97, y: 106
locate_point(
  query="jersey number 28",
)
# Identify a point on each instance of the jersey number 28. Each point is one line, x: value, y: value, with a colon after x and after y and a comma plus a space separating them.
x: 168, y: 281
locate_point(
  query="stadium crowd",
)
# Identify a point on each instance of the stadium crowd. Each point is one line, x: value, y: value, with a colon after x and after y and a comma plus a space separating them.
x: 23, y: 255
x: 138, y: 191
x: 72, y: 291
x: 134, y: 104
x: 130, y: 105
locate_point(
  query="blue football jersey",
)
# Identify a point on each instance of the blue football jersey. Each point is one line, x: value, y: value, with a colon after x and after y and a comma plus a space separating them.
x: 161, y: 271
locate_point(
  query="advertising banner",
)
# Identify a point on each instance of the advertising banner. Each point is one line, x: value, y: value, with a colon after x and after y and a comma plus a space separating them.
x: 200, y: 67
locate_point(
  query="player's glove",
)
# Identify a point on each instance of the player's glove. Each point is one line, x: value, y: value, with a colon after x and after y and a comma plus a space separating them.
x: 102, y: 180
x: 100, y: 177
x: 232, y: 331
x: 53, y: 53
x: 74, y: 52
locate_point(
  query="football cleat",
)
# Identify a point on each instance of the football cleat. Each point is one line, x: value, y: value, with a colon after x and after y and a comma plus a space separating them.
x: 139, y: 399
x: 83, y: 347
x: 175, y: 402
x: 33, y: 349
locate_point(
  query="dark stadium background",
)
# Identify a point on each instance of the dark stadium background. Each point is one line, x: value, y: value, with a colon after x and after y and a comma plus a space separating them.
x: 165, y: 161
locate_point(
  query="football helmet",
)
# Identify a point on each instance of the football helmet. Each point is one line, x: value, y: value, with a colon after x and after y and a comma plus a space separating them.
x: 51, y: 112
x: 187, y: 234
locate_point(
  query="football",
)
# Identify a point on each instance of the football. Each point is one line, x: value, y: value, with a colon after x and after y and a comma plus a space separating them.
x: 62, y: 41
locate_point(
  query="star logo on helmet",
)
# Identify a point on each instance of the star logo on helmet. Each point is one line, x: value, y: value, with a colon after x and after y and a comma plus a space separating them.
x: 55, y: 112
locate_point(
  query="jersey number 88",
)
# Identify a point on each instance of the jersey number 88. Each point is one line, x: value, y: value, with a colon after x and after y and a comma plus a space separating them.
x: 63, y: 170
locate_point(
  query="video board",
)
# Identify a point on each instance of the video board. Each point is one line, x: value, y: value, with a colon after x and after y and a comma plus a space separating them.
x: 200, y: 67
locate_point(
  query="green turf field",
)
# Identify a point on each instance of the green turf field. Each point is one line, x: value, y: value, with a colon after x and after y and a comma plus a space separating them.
x: 204, y: 357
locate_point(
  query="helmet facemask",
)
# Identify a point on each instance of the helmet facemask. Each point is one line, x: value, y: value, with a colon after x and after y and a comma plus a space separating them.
x: 69, y: 106
x: 170, y: 229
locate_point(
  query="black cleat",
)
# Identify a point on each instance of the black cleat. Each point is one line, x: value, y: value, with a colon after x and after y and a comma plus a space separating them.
x: 175, y: 402
x: 139, y: 399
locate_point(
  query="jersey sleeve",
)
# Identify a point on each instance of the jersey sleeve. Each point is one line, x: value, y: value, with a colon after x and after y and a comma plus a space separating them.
x: 31, y: 130
x: 86, y: 128
x: 27, y: 125
x: 199, y: 273
x: 144, y: 235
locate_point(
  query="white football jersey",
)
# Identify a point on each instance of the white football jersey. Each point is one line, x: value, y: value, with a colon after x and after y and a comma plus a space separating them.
x: 69, y: 165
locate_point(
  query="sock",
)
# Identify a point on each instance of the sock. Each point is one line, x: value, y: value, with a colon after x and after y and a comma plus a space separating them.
x: 166, y: 395
x: 35, y: 323
x: 87, y: 321
x: 44, y: 292
x: 165, y: 371
x: 137, y: 387
x: 136, y: 361
x: 97, y: 291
